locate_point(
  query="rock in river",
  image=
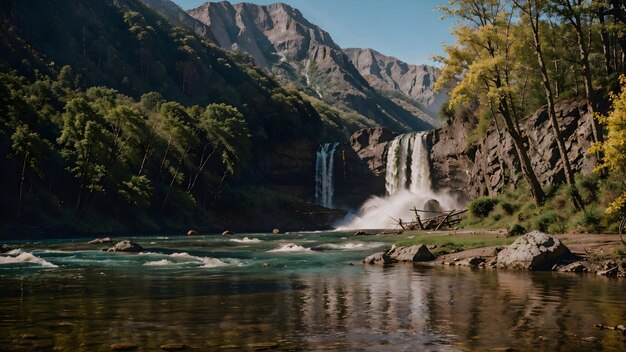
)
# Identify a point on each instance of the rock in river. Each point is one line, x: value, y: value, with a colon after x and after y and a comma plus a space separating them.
x: 126, y: 246
x: 416, y: 253
x: 380, y: 258
x: 533, y: 251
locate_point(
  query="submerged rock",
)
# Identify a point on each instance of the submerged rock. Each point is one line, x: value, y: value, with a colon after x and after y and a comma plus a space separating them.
x: 126, y: 246
x: 380, y: 258
x: 533, y: 251
x: 173, y: 347
x: 124, y: 346
x: 101, y: 240
x: 416, y: 253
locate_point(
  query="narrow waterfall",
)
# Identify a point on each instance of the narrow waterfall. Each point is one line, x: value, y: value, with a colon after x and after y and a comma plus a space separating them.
x: 324, y: 174
x: 408, y: 167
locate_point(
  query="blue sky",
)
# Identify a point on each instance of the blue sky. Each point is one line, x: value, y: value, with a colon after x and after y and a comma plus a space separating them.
x: 410, y: 30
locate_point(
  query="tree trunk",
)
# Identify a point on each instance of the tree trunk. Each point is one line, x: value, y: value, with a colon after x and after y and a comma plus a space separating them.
x: 606, y: 45
x: 545, y: 80
x: 19, y: 200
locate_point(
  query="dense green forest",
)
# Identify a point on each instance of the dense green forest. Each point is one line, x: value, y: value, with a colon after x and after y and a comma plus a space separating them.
x: 88, y: 145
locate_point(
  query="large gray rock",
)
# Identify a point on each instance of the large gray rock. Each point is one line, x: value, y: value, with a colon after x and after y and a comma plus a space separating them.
x: 380, y: 258
x: 416, y: 253
x: 126, y: 246
x: 533, y: 251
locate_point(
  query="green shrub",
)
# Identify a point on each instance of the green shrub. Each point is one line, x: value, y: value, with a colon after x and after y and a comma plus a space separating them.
x: 545, y: 220
x: 517, y: 230
x: 481, y: 207
x: 508, y: 208
x: 591, y: 219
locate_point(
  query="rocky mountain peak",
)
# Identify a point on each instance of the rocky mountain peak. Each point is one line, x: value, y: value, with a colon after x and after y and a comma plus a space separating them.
x: 389, y: 73
x: 299, y: 53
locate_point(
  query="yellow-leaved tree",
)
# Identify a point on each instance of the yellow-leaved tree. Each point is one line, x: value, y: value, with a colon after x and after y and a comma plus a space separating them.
x: 614, y: 146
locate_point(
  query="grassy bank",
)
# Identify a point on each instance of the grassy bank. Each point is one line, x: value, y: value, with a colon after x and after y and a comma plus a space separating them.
x: 515, y: 210
x: 443, y: 243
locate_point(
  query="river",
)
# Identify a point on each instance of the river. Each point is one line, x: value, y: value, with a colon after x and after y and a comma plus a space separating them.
x: 299, y: 291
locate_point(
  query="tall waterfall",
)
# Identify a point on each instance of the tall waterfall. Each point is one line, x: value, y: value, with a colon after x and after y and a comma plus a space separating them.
x: 324, y: 174
x: 407, y: 164
x: 408, y: 184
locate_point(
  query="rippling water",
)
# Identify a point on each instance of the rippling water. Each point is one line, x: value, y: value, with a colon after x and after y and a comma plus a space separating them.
x: 303, y: 291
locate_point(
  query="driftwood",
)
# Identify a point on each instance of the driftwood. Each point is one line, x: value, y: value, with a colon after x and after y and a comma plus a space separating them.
x: 444, y: 219
x: 619, y: 327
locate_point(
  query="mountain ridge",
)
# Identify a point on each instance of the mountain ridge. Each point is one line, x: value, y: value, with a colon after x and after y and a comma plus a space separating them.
x: 298, y: 53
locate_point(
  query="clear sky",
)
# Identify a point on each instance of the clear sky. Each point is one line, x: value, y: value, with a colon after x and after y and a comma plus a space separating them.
x: 410, y: 30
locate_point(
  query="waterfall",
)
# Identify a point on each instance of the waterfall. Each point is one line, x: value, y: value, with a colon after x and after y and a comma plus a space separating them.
x: 408, y: 185
x: 324, y: 174
x: 407, y: 164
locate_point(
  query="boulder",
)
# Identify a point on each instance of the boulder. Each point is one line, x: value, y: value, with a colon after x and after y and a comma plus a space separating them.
x: 533, y: 251
x: 101, y: 240
x: 380, y: 258
x: 193, y: 233
x: 432, y: 205
x: 416, y: 253
x: 126, y: 246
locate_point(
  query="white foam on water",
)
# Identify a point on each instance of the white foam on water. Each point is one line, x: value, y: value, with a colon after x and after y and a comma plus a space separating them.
x: 18, y: 256
x: 246, y: 240
x: 185, y: 255
x: 161, y: 262
x: 212, y: 263
x: 291, y: 247
x: 349, y: 246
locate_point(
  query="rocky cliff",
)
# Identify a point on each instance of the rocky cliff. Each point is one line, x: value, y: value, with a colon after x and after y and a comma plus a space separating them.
x: 301, y: 54
x: 489, y: 165
x: 389, y: 74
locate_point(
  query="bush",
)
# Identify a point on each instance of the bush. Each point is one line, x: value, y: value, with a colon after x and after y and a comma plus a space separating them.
x: 508, y: 208
x: 481, y: 207
x: 591, y: 220
x: 543, y: 222
x: 517, y: 230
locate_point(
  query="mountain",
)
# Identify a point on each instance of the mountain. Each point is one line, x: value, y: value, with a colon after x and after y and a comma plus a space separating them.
x: 386, y: 73
x: 301, y: 54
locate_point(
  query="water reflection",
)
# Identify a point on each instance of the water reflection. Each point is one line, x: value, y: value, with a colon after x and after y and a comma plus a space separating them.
x: 404, y: 308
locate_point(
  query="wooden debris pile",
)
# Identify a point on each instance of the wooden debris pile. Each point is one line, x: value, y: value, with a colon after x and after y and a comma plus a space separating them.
x: 433, y: 220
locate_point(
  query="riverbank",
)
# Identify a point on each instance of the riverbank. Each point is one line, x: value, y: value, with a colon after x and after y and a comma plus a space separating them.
x: 593, y: 253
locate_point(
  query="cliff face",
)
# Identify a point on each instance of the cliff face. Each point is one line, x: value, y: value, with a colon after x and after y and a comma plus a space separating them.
x: 387, y: 73
x: 487, y: 166
x: 300, y: 54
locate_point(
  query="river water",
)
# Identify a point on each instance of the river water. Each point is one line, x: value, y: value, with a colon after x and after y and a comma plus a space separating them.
x: 263, y: 291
